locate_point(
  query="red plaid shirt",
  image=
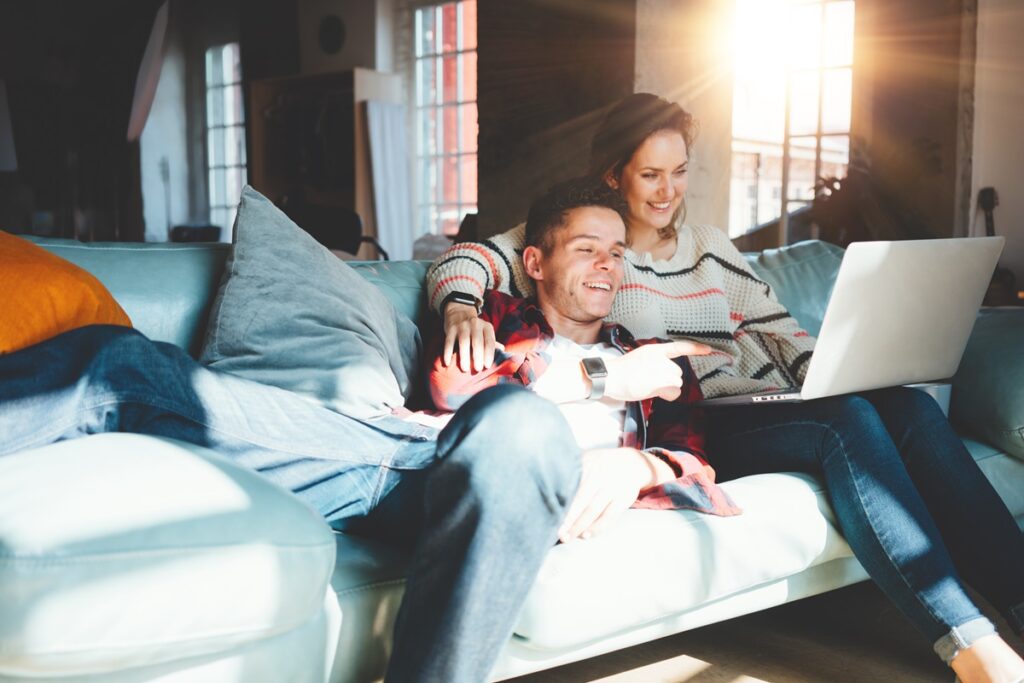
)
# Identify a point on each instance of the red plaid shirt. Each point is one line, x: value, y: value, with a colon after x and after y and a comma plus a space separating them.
x: 670, y: 430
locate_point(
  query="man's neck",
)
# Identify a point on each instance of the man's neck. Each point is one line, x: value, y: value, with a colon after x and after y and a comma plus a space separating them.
x: 580, y: 332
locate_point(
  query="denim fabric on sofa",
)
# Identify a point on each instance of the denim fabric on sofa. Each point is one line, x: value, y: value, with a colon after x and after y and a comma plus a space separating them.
x: 130, y: 558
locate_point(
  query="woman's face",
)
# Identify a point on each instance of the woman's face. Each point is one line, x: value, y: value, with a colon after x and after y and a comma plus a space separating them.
x: 653, y: 182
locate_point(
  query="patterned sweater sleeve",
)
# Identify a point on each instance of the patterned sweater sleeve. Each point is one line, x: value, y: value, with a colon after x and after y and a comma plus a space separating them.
x: 764, y: 317
x: 478, y: 267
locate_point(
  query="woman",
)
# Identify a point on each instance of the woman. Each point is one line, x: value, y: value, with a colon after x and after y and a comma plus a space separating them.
x: 870, y: 449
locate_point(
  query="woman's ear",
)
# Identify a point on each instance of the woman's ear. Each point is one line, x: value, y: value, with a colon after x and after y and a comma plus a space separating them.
x: 611, y: 181
x: 532, y: 257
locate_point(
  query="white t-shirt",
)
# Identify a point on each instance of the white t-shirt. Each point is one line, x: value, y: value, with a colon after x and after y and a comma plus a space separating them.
x: 596, y: 424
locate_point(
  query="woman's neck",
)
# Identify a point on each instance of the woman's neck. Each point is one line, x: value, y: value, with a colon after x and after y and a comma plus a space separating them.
x: 645, y: 239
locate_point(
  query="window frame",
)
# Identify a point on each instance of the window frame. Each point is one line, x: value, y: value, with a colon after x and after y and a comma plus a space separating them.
x: 789, y: 146
x: 229, y: 206
x: 433, y: 211
x: 787, y: 142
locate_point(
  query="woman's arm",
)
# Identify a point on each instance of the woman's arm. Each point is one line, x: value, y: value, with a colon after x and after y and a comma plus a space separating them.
x: 473, y: 268
x: 763, y: 314
x: 477, y: 267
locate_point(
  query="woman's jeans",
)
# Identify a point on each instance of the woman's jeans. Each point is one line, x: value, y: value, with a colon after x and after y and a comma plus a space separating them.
x: 909, y: 499
x: 480, y: 503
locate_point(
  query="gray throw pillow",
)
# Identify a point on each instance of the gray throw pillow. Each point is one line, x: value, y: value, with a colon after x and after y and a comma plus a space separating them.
x: 291, y: 314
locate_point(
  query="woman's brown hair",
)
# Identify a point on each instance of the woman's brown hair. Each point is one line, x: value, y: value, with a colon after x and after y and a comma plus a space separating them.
x: 625, y: 127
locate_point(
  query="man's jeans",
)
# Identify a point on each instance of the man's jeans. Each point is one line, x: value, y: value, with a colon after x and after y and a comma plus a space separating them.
x: 908, y: 497
x: 480, y: 503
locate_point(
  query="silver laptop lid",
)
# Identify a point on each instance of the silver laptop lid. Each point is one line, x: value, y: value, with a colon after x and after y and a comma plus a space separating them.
x: 900, y: 312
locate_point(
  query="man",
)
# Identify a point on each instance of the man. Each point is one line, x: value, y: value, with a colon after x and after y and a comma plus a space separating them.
x: 628, y: 404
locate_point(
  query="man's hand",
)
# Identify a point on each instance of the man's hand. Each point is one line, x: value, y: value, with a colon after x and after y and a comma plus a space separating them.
x: 649, y: 371
x: 466, y: 333
x: 611, y: 481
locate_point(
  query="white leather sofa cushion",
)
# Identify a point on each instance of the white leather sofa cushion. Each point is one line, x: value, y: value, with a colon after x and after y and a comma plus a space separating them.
x: 651, y: 564
x: 121, y: 550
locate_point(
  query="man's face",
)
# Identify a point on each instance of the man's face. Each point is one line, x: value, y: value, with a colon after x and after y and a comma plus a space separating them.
x: 580, y: 275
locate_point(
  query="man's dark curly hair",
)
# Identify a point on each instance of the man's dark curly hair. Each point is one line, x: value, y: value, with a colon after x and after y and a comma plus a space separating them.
x: 548, y: 212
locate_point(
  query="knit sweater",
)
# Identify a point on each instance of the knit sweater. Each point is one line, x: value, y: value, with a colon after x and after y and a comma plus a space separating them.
x: 704, y: 292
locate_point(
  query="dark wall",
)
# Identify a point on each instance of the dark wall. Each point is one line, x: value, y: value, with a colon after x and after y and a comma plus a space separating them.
x: 547, y: 68
x: 913, y: 63
x: 70, y: 70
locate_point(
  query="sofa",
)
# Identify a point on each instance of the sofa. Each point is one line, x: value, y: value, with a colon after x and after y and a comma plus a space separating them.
x: 132, y: 558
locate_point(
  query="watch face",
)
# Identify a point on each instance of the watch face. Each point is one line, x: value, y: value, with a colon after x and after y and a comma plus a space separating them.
x: 595, y: 367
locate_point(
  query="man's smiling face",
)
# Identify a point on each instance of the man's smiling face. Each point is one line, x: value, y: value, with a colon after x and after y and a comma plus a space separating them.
x: 580, y: 275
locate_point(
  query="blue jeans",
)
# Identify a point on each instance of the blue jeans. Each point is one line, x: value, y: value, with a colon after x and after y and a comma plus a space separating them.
x: 910, y: 500
x: 479, y: 504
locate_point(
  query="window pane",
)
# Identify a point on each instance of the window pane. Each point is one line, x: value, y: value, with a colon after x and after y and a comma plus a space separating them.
x: 449, y: 28
x: 228, y: 106
x: 835, y: 155
x: 467, y: 176
x: 233, y: 110
x: 468, y: 77
x: 450, y: 71
x: 234, y: 145
x: 426, y: 81
x: 804, y: 30
x: 428, y: 129
x: 426, y: 35
x: 431, y: 180
x: 803, y: 112
x: 424, y: 223
x: 229, y: 60
x: 450, y: 222
x: 218, y: 194
x: 470, y: 130
x: 215, y: 147
x: 450, y: 139
x: 801, y: 168
x: 233, y: 185
x: 450, y: 182
x: 836, y: 103
x: 755, y: 191
x: 215, y: 107
x: 219, y: 217
x: 839, y: 34
x: 214, y: 66
x: 468, y: 24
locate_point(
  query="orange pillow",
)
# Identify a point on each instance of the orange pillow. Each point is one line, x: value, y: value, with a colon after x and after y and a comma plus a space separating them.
x: 42, y: 295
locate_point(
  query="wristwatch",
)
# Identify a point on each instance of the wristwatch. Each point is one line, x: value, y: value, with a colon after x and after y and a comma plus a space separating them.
x: 595, y: 369
x: 462, y: 298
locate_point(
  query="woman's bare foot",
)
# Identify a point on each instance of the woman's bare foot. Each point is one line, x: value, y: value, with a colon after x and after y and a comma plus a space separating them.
x: 989, y: 660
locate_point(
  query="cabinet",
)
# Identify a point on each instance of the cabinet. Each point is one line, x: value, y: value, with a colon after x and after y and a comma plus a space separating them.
x: 309, y: 150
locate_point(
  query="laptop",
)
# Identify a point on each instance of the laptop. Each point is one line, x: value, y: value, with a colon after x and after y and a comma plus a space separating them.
x: 900, y: 312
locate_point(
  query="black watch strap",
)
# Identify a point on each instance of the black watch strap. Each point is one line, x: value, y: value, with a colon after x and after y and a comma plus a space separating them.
x: 462, y: 298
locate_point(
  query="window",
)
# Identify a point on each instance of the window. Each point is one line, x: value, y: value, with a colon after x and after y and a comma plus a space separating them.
x: 225, y: 135
x: 791, y: 105
x: 445, y: 119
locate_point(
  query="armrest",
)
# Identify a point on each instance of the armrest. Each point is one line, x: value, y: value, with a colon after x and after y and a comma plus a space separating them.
x: 988, y: 388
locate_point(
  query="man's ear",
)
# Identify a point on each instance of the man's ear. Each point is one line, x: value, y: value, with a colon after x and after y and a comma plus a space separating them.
x: 532, y: 262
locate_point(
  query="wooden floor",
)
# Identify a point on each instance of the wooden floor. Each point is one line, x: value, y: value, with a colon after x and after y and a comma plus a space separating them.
x: 851, y: 635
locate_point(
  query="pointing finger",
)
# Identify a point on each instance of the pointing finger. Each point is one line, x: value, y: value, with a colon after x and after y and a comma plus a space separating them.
x: 683, y: 347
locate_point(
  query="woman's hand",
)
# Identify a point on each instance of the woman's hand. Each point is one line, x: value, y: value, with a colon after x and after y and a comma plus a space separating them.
x: 467, y: 334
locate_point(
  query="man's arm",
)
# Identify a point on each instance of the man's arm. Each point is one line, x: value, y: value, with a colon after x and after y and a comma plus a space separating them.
x: 520, y: 357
